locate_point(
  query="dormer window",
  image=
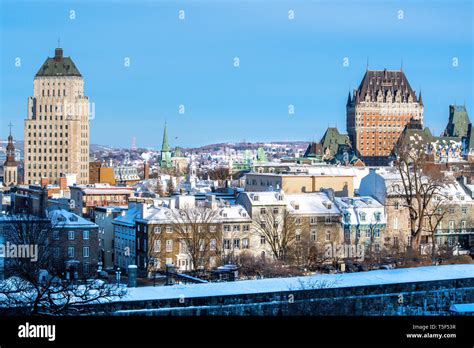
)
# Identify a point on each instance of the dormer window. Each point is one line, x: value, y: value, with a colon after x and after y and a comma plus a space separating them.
x: 297, y: 207
x: 362, y: 216
x: 377, y: 217
x: 255, y: 198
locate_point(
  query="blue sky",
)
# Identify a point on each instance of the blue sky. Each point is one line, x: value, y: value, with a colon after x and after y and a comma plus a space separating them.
x: 190, y: 62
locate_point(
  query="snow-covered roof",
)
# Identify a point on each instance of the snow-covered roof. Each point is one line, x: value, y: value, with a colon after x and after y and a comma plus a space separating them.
x: 233, y: 213
x: 66, y: 219
x: 361, y: 210
x: 310, y: 203
x: 344, y: 280
x: 265, y: 197
x: 128, y: 217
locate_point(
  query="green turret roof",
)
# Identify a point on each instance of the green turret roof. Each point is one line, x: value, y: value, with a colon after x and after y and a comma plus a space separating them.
x: 458, y: 122
x: 58, y: 66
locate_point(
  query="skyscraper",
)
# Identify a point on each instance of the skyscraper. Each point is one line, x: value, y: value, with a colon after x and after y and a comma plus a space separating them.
x: 57, y: 125
x: 378, y: 111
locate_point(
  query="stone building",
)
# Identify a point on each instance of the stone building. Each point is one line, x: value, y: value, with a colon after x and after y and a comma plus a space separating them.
x: 57, y: 126
x: 378, y: 111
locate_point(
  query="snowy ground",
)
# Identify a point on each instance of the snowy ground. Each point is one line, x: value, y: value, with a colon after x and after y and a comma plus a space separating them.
x: 401, y: 275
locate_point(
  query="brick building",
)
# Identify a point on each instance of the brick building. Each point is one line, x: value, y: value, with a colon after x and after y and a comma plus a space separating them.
x: 378, y: 111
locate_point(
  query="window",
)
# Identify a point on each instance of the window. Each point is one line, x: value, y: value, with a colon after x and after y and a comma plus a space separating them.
x: 327, y: 220
x: 464, y: 210
x: 328, y: 236
x: 313, y: 220
x: 70, y: 252
x: 377, y: 233
x: 157, y: 229
x: 275, y: 210
x: 56, y: 235
x: 377, y: 216
x: 85, y: 234
x: 237, y: 243
x: 85, y: 251
x: 70, y: 235
x: 368, y: 233
x: 227, y: 244
x: 226, y: 228
x: 451, y: 225
x: 451, y: 210
x: 212, y: 229
x: 263, y: 211
x: 169, y: 245
x: 245, y: 243
x: 362, y: 216
x: 56, y: 252
x: 236, y: 228
x: 246, y: 228
x: 169, y: 229
x: 395, y: 223
x: 157, y: 246
x: 212, y: 245
x: 298, y: 221
x: 377, y: 248
x: 262, y: 240
x: 313, y: 235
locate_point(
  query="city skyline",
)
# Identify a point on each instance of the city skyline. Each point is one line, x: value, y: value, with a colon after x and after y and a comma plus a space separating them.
x: 281, y: 64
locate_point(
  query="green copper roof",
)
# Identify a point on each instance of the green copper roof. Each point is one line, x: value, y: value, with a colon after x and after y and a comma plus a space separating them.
x: 165, y: 146
x: 458, y: 122
x: 332, y: 139
x: 58, y: 66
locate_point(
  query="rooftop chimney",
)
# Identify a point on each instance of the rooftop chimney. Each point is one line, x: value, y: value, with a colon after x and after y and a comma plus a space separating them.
x: 58, y: 54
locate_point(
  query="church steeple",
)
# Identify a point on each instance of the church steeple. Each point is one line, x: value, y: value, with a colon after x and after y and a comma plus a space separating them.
x: 165, y: 146
x: 166, y: 161
x: 10, y: 166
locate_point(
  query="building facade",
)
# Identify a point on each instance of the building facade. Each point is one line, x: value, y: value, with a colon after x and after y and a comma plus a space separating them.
x: 378, y: 111
x: 57, y: 126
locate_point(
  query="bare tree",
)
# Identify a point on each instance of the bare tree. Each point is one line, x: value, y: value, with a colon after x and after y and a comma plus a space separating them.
x: 419, y: 186
x: 159, y: 188
x: 278, y: 228
x: 37, y: 286
x: 197, y: 231
x: 170, y: 186
x: 434, y: 216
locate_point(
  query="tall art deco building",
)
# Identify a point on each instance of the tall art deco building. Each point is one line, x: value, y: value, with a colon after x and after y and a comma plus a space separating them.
x: 378, y: 111
x: 57, y: 127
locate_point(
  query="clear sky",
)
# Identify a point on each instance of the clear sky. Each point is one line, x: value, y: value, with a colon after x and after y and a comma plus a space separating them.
x: 190, y: 62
